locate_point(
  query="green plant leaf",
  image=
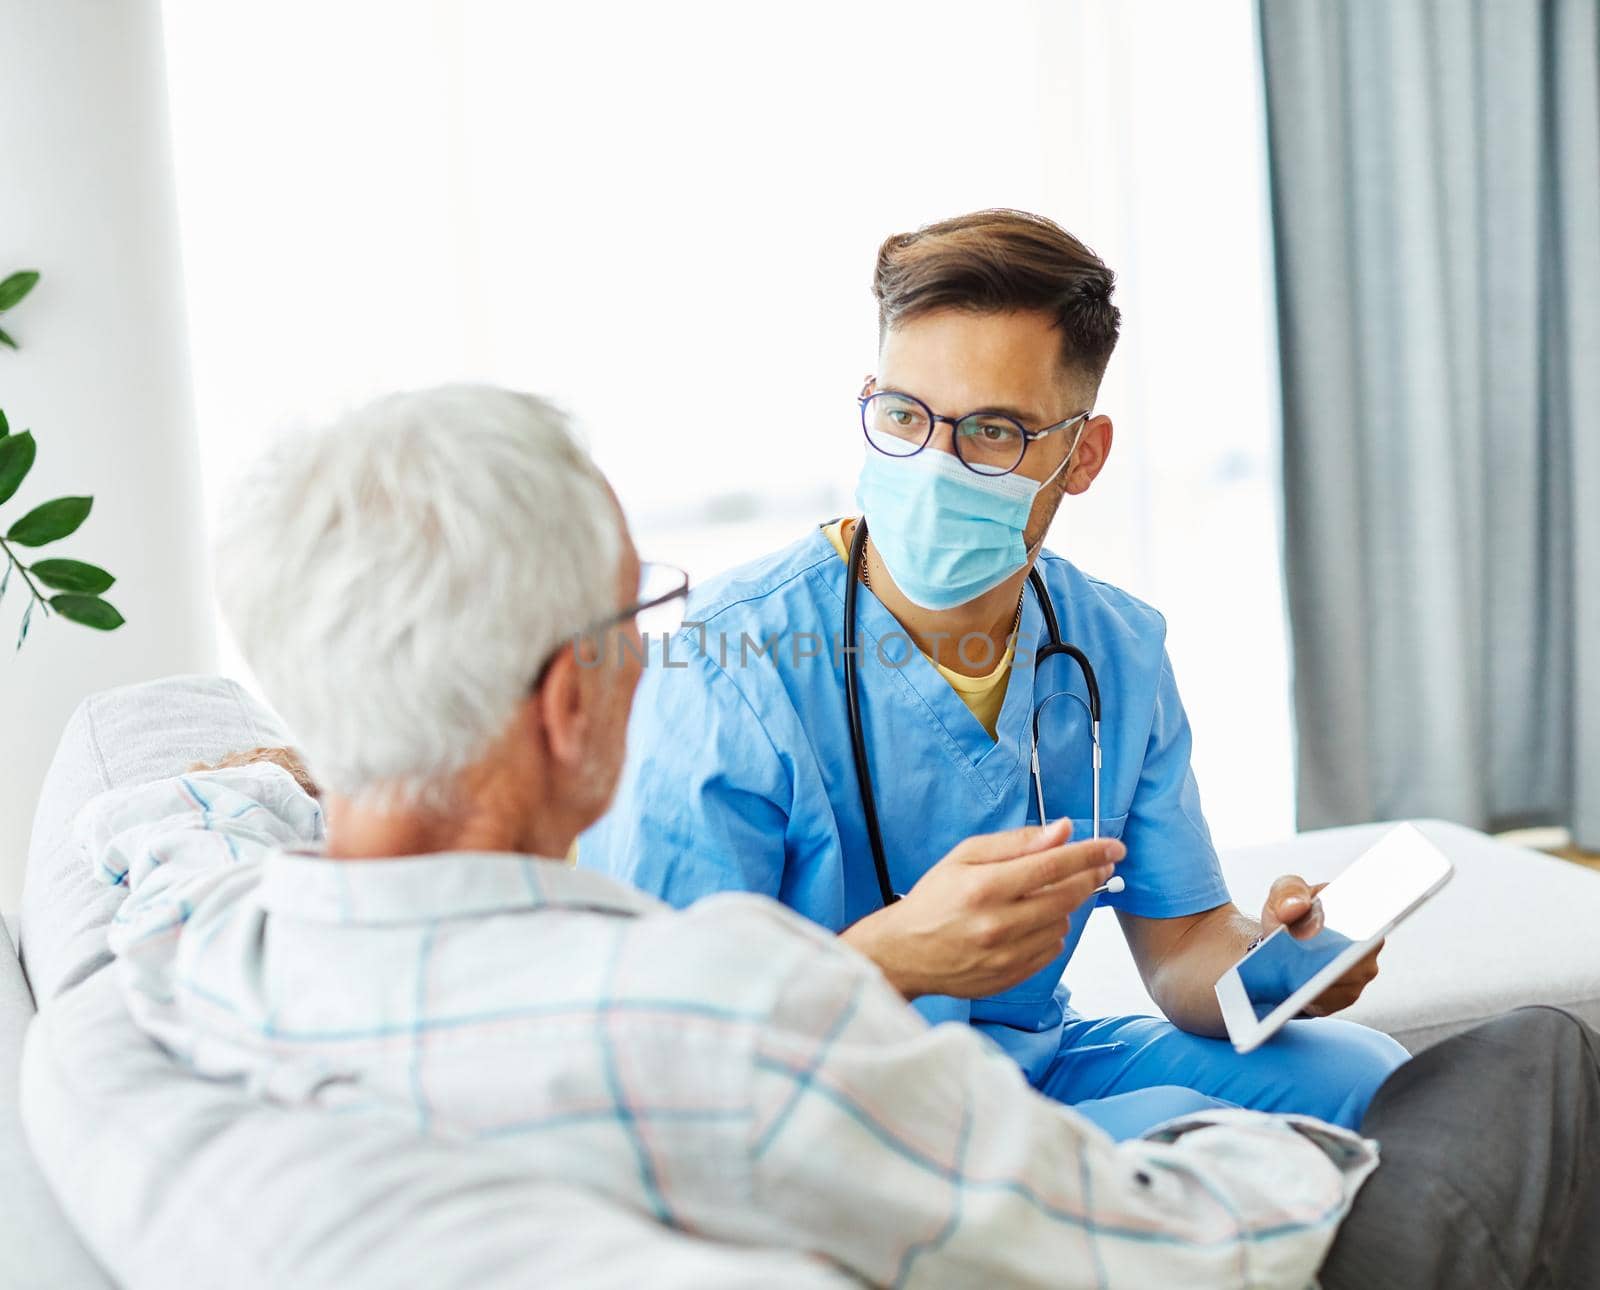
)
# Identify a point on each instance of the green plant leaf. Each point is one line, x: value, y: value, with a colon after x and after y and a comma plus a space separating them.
x: 5, y: 426
x: 72, y: 575
x: 6, y: 340
x: 16, y: 460
x: 27, y: 617
x: 50, y: 522
x: 14, y: 288
x: 90, y: 611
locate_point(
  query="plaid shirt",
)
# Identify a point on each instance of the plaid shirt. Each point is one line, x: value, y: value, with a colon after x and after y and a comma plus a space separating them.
x: 730, y: 1069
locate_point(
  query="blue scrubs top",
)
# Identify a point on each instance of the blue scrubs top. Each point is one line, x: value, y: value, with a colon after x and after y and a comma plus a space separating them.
x: 740, y: 776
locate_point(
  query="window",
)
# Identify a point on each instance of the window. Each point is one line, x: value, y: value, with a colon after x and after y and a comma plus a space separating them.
x: 665, y: 216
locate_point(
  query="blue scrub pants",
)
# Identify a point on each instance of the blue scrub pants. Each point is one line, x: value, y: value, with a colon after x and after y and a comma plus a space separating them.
x: 1128, y: 1074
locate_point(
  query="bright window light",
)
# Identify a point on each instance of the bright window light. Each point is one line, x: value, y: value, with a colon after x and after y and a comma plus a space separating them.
x: 665, y: 217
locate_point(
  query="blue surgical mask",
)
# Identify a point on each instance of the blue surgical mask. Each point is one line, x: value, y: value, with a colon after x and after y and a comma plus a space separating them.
x: 946, y: 534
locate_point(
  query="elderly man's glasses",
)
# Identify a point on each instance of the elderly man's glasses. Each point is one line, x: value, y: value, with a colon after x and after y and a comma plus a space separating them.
x: 987, y: 443
x: 663, y: 593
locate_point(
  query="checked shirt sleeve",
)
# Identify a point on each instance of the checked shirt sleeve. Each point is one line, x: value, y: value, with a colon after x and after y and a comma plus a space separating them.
x: 918, y: 1156
x: 194, y: 823
x: 173, y: 845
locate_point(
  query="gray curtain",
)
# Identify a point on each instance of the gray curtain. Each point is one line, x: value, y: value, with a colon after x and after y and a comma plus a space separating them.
x: 1435, y: 178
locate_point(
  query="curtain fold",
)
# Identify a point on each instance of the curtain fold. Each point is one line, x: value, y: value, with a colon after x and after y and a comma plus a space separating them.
x: 1435, y: 184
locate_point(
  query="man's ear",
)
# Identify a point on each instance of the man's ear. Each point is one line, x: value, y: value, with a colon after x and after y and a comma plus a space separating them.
x: 563, y: 707
x: 1093, y: 449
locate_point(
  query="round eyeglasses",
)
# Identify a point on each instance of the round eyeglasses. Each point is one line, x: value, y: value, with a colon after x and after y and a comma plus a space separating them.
x: 987, y: 443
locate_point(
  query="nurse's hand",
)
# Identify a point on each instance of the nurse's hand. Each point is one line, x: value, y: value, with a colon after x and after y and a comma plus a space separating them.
x: 1293, y: 905
x: 993, y: 912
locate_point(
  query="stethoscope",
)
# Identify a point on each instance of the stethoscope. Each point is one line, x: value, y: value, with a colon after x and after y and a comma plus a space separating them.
x: 858, y: 742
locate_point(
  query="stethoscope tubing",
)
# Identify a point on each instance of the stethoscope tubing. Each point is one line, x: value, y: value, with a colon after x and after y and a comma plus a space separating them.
x: 858, y: 739
x: 858, y: 742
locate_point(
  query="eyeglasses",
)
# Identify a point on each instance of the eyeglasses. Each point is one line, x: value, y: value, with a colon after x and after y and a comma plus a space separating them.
x: 987, y: 443
x: 663, y: 592
x: 663, y: 589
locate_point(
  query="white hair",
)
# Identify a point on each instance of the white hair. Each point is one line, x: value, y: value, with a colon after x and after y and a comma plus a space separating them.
x: 397, y: 579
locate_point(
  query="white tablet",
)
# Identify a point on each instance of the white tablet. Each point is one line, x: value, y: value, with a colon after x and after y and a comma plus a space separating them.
x: 1280, y: 976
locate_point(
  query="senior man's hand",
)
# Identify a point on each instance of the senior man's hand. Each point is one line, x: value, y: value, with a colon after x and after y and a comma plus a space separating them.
x: 284, y: 758
x: 1293, y: 905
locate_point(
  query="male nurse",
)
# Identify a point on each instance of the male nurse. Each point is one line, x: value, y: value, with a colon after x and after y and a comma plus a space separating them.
x: 994, y: 332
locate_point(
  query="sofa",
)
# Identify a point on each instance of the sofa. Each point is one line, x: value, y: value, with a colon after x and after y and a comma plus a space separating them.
x: 125, y: 1159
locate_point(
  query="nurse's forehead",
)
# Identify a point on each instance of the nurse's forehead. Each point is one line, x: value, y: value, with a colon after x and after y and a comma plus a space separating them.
x: 957, y: 360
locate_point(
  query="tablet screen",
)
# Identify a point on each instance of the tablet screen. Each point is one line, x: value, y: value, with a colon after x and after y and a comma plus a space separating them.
x: 1280, y: 965
x: 1372, y: 893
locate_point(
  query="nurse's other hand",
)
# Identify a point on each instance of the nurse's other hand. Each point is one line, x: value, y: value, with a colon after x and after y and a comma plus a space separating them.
x: 1292, y: 904
x: 993, y: 912
x: 1347, y: 989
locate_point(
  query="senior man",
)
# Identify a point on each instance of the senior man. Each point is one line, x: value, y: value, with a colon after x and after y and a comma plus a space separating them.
x: 407, y: 585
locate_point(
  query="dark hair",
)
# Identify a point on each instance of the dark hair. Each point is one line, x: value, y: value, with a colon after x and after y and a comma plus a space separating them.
x: 999, y: 261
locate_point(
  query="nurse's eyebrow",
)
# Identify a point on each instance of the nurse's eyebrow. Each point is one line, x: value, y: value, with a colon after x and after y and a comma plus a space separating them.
x: 1025, y: 415
x: 1028, y: 416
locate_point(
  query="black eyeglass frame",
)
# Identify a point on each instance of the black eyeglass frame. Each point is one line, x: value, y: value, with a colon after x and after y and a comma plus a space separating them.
x: 681, y: 591
x: 1029, y: 437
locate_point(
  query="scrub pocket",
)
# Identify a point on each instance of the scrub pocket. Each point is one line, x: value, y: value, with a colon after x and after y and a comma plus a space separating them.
x: 1022, y: 1004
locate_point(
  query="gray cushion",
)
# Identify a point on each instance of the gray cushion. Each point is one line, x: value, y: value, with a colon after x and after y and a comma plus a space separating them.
x: 37, y: 1245
x: 1513, y: 927
x: 124, y: 736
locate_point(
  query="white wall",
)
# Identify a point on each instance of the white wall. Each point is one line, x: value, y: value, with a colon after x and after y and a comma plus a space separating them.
x: 102, y: 377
